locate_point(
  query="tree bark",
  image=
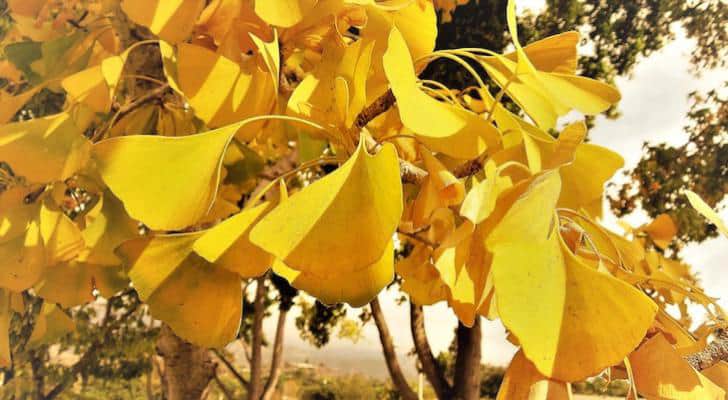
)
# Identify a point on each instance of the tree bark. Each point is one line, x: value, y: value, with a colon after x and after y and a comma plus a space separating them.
x: 466, y: 385
x: 255, y: 386
x: 277, y: 358
x: 188, y: 368
x: 398, y: 379
x: 430, y: 366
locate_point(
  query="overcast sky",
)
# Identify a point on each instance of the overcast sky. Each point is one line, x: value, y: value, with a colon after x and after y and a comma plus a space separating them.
x: 654, y: 105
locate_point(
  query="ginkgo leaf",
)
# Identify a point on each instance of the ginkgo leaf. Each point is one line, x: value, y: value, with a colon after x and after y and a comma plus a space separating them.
x: 584, y: 179
x: 660, y: 373
x: 11, y: 104
x: 171, y: 20
x: 341, y: 222
x: 5, y: 316
x: 316, y: 96
x: 464, y: 267
x: 718, y: 374
x: 555, y: 53
x: 357, y: 288
x: 704, y: 209
x: 107, y: 230
x: 201, y: 302
x: 480, y: 201
x: 228, y: 244
x: 89, y: 87
x: 554, y: 304
x: 662, y: 230
x: 220, y: 90
x: 421, y: 279
x: 440, y: 189
x: 72, y: 283
x: 522, y: 381
x: 62, y: 238
x: 229, y: 23
x: 283, y: 13
x: 164, y: 182
x: 552, y: 92
x: 22, y: 259
x: 442, y: 127
x: 44, y: 149
x: 51, y: 324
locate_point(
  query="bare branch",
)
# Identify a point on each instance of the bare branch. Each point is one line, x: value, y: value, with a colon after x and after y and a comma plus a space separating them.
x: 390, y: 356
x: 255, y: 386
x: 231, y: 368
x: 430, y: 366
x: 277, y: 358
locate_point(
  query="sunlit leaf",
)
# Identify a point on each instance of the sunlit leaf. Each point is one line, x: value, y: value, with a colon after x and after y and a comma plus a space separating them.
x: 201, y: 302
x: 171, y: 20
x: 522, y: 381
x: 313, y: 230
x: 44, y: 149
x: 704, y: 209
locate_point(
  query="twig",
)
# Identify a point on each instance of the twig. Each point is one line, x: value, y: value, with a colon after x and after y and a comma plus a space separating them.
x: 418, y: 238
x: 713, y: 353
x: 231, y: 368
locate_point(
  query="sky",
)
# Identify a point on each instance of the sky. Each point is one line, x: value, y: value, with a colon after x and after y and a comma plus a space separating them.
x: 654, y: 105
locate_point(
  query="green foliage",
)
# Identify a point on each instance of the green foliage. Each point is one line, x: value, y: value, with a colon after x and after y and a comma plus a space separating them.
x: 657, y: 182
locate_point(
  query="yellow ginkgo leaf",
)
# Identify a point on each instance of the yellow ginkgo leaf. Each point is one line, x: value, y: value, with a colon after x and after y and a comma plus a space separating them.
x: 548, y: 93
x: 228, y: 244
x: 89, y: 87
x: 341, y: 222
x: 111, y: 227
x: 11, y: 104
x: 6, y: 314
x: 51, y: 324
x: 440, y: 189
x: 704, y: 209
x: 229, y: 23
x: 554, y: 304
x: 522, y: 381
x: 220, y: 90
x: 421, y: 279
x: 201, y: 302
x: 442, y: 127
x: 660, y: 373
x: 316, y: 97
x: 283, y: 13
x: 662, y: 230
x: 44, y: 149
x: 357, y: 288
x: 584, y: 179
x: 480, y: 201
x: 555, y: 53
x: 165, y: 182
x: 464, y: 266
x: 171, y: 20
x: 73, y: 283
x: 62, y: 238
x: 718, y: 374
x: 22, y: 259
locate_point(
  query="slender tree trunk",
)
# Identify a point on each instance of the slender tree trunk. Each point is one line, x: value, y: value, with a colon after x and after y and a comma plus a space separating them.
x: 430, y: 366
x: 255, y: 386
x: 277, y: 358
x: 466, y: 385
x: 398, y: 379
x: 188, y: 368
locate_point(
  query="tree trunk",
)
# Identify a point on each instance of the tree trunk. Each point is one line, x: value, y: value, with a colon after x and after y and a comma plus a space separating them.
x: 430, y: 366
x: 277, y: 358
x: 188, y: 368
x: 255, y: 386
x: 466, y: 384
x: 398, y: 379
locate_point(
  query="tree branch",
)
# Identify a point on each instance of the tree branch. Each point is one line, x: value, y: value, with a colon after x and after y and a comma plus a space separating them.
x: 231, y: 368
x: 466, y: 385
x: 277, y: 358
x: 430, y: 366
x: 254, y: 388
x: 152, y: 95
x: 390, y: 356
x: 714, y: 352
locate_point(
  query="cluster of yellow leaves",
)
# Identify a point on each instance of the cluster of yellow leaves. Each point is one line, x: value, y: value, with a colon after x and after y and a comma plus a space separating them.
x: 169, y: 196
